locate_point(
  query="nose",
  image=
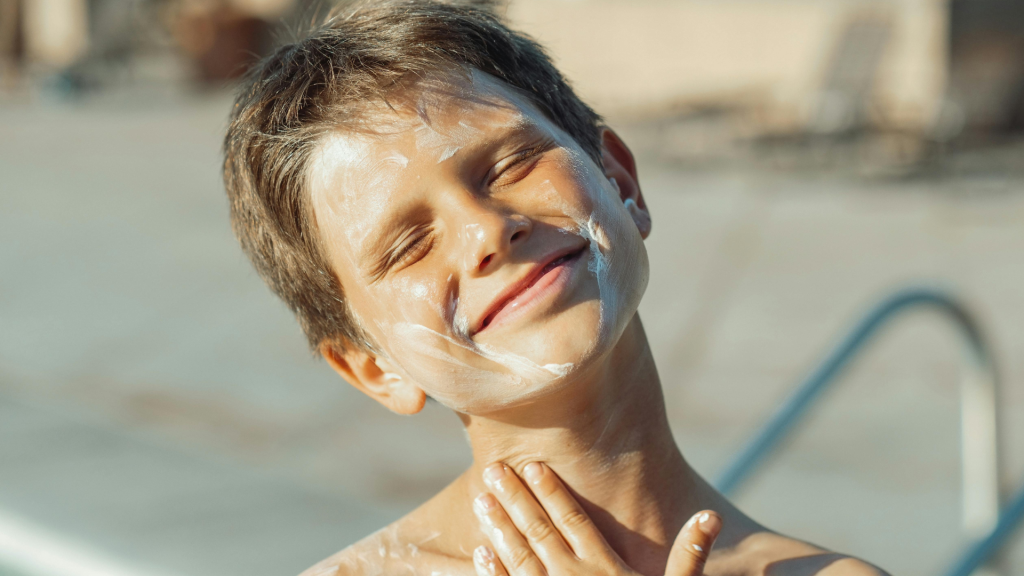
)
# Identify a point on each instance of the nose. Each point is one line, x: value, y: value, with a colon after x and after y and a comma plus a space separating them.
x: 489, y: 235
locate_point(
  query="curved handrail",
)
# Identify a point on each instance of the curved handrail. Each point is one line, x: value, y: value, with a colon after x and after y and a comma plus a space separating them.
x: 979, y: 394
x: 1009, y: 521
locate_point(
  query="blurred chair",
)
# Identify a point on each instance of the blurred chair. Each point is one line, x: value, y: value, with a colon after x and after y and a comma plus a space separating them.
x: 844, y: 99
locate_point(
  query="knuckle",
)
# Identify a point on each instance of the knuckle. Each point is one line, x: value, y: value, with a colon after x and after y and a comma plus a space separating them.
x: 538, y: 530
x: 519, y: 558
x: 574, y: 519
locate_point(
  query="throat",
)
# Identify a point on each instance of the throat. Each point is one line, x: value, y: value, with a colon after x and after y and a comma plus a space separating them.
x: 608, y: 439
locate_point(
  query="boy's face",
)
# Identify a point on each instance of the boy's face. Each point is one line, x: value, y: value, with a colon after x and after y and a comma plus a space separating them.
x: 484, y: 252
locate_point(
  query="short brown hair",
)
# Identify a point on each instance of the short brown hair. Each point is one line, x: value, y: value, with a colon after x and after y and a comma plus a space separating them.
x: 305, y: 89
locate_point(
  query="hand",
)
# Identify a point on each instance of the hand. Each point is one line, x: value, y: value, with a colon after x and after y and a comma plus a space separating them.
x: 543, y: 530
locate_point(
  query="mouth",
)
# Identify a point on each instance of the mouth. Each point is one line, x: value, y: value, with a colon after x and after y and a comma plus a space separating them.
x: 545, y: 278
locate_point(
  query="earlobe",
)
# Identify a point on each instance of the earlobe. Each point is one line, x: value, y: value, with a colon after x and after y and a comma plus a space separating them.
x: 640, y: 217
x: 375, y: 377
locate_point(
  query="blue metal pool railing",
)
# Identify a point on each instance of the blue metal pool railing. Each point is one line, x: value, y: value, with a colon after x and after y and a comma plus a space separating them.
x: 979, y: 394
x: 1009, y: 522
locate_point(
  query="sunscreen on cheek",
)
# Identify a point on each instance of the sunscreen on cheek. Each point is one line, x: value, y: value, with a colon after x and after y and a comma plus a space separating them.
x: 463, y: 374
x: 467, y: 375
x: 599, y: 216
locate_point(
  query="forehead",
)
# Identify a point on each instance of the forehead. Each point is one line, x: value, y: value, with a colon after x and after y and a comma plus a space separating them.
x: 427, y: 114
x: 458, y: 107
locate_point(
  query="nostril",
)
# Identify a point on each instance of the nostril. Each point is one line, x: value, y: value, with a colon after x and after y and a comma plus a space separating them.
x: 516, y: 236
x: 486, y: 261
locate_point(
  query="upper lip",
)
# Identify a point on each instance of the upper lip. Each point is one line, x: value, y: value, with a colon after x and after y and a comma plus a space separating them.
x: 516, y: 288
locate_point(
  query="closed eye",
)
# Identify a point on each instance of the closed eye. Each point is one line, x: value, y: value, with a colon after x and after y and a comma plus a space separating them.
x: 407, y: 254
x: 517, y: 166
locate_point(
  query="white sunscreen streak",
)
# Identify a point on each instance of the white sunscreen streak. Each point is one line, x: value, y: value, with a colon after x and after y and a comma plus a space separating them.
x: 445, y: 144
x: 519, y: 365
x: 589, y: 228
x: 340, y: 155
x: 397, y: 159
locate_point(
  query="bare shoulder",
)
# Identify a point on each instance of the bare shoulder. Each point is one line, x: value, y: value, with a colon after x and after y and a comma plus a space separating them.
x: 394, y: 550
x: 356, y: 560
x: 412, y: 546
x: 770, y: 554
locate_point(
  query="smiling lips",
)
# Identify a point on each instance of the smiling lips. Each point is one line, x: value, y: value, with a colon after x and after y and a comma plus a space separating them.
x: 543, y: 279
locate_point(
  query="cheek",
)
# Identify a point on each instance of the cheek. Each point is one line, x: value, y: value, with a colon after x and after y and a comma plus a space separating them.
x: 405, y: 300
x: 466, y: 378
x: 461, y: 374
x: 412, y: 320
x: 438, y: 365
x: 618, y: 259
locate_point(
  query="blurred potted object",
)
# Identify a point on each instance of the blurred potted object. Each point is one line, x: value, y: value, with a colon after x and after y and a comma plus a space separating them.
x: 223, y: 37
x: 11, y: 44
x: 987, y: 64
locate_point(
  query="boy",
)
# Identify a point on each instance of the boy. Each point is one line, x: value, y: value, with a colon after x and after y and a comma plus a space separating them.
x: 447, y: 219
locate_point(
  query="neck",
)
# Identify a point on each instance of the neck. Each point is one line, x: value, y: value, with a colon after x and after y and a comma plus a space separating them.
x: 608, y: 438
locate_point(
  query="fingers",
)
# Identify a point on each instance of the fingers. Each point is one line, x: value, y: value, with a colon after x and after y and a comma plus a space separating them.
x: 565, y: 512
x: 513, y: 550
x: 693, y: 544
x: 486, y: 563
x: 527, y: 514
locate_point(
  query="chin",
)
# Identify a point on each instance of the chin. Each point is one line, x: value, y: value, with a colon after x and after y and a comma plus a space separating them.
x: 518, y: 367
x: 569, y: 336
x: 575, y: 339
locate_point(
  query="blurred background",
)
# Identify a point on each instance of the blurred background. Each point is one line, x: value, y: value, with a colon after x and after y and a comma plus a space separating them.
x: 161, y: 415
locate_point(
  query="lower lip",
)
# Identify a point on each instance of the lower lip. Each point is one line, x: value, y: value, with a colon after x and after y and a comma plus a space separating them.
x: 551, y: 282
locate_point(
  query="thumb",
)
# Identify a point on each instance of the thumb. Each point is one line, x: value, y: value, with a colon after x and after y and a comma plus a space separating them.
x: 693, y: 544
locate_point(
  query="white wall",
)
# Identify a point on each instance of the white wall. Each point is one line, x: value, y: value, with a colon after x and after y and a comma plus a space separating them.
x: 645, y: 55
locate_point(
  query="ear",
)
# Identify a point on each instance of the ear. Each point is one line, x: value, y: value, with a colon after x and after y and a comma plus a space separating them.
x: 375, y: 377
x: 620, y: 169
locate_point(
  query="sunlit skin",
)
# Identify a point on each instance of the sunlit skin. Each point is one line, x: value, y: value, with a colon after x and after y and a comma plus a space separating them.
x: 444, y: 207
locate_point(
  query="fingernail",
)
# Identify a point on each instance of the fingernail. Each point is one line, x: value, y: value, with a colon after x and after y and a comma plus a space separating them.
x: 493, y: 473
x: 484, y: 503
x: 484, y: 553
x: 690, y: 522
x: 484, y: 560
x: 533, y: 471
x: 709, y: 524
